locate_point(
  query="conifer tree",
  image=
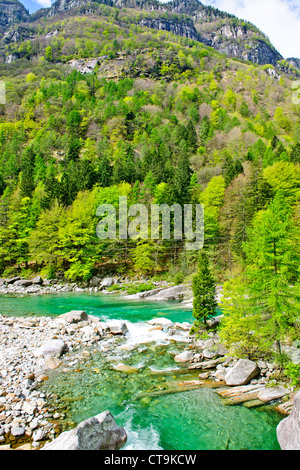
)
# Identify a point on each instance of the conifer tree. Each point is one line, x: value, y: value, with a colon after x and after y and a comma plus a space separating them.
x: 204, y: 291
x: 269, y: 291
x: 27, y: 177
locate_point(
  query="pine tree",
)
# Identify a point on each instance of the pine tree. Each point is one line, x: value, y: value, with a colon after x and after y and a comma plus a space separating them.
x: 204, y: 291
x: 270, y: 294
x: 182, y: 179
x: 192, y: 138
x: 104, y: 172
x: 27, y: 176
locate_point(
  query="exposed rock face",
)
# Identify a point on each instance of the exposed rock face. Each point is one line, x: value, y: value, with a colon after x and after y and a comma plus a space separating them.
x: 288, y: 430
x: 294, y: 62
x: 11, y: 11
x: 189, y: 19
x: 185, y: 29
x: 98, y: 433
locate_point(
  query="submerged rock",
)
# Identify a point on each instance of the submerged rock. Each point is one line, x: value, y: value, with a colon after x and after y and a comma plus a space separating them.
x: 185, y: 356
x: 124, y: 368
x: 98, y: 433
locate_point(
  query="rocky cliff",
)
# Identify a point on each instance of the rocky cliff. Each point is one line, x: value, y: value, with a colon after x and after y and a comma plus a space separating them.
x: 11, y: 12
x: 184, y: 29
x: 189, y: 19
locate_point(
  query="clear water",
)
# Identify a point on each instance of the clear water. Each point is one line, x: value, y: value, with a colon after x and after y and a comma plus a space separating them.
x: 151, y: 403
x: 105, y: 306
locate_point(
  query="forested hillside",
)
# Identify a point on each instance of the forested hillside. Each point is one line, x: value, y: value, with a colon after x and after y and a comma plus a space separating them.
x: 160, y: 119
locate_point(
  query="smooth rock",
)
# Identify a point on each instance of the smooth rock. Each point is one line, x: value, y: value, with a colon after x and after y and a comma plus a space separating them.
x: 117, y: 327
x: 74, y: 316
x: 13, y: 280
x: 29, y: 408
x: 241, y: 373
x: 23, y: 283
x: 37, y: 280
x: 52, y: 348
x: 269, y: 394
x: 124, y: 368
x: 170, y: 293
x: 185, y: 356
x: 39, y: 434
x: 98, y: 433
x: 17, y: 431
x: 53, y: 363
x: 95, y: 281
x: 288, y: 430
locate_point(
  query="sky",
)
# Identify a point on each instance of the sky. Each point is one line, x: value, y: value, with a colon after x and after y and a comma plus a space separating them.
x: 278, y: 19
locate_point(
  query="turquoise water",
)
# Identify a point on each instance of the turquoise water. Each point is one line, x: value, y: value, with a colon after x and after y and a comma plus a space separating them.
x: 151, y: 403
x: 104, y: 306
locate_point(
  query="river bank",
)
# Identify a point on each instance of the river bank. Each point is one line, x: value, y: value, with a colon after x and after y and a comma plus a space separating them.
x: 32, y: 348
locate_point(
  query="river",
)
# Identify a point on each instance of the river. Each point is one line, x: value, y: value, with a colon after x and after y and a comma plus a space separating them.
x: 147, y: 402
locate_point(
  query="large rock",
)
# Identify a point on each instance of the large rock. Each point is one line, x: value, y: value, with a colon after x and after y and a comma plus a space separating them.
x: 23, y: 283
x: 161, y: 322
x: 170, y: 293
x: 269, y: 394
x: 117, y: 327
x: 106, y: 282
x: 288, y: 430
x: 37, y: 280
x: 95, y: 281
x: 74, y: 316
x: 98, y: 433
x: 241, y: 373
x: 52, y: 348
x: 185, y: 356
x: 12, y: 280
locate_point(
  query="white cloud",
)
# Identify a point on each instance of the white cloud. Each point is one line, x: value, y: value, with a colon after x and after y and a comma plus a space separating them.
x: 44, y: 3
x: 278, y: 19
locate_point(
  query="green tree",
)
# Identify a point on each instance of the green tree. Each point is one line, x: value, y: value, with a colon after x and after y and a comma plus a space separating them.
x: 27, y: 174
x: 49, y: 54
x: 204, y: 291
x: 143, y: 257
x: 268, y: 297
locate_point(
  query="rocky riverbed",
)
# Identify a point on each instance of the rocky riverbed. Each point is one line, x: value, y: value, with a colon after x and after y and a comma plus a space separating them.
x: 31, y: 347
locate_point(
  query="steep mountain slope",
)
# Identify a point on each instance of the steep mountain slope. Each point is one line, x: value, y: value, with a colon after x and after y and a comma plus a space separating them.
x: 220, y: 30
x: 193, y: 20
x: 101, y: 105
x: 11, y: 12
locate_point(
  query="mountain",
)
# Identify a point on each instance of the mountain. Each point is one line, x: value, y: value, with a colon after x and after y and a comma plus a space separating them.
x: 11, y: 12
x: 158, y: 102
x: 188, y: 19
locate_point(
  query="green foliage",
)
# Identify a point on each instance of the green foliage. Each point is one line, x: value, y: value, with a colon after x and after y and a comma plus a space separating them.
x: 204, y: 291
x: 266, y: 300
x: 292, y: 372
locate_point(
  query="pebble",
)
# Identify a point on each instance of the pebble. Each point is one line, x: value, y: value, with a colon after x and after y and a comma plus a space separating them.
x: 22, y: 372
